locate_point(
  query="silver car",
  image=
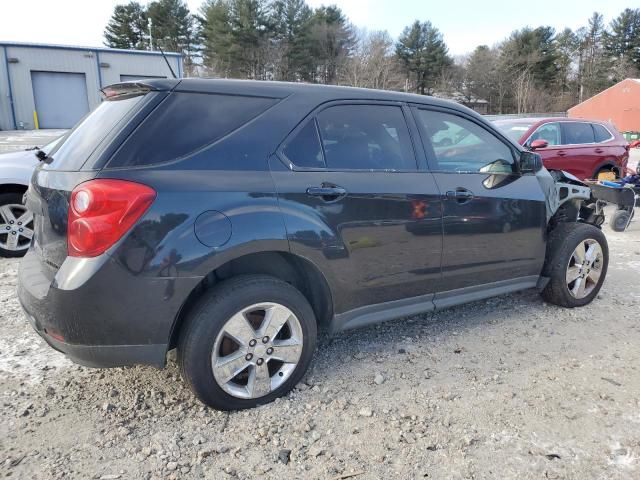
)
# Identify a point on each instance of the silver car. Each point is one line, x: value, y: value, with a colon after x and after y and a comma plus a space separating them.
x: 16, y: 222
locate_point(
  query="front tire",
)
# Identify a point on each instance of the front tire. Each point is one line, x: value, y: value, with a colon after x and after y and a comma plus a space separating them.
x: 247, y: 342
x: 576, y: 264
x: 620, y: 219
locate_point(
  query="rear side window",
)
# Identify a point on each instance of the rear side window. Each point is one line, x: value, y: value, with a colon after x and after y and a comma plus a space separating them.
x: 186, y: 122
x: 366, y: 137
x: 601, y: 134
x: 577, y: 133
x: 304, y: 149
x: 76, y: 147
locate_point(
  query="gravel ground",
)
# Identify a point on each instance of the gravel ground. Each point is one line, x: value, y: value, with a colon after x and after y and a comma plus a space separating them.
x: 505, y: 388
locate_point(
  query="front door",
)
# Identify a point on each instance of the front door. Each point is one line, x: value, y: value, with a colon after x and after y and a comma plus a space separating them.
x: 494, y: 218
x: 355, y: 202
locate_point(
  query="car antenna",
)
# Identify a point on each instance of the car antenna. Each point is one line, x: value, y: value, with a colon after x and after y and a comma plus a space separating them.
x: 167, y: 60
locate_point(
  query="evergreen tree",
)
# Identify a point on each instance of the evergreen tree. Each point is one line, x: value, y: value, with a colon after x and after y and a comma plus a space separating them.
x: 593, y: 65
x: 291, y: 22
x: 174, y: 29
x: 217, y: 37
x: 127, y: 27
x: 423, y: 53
x: 622, y: 42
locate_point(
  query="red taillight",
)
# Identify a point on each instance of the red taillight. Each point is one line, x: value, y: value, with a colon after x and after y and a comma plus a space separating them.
x: 101, y: 212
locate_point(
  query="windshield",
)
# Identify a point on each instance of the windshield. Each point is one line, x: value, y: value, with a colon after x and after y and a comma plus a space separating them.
x: 513, y: 129
x: 78, y: 144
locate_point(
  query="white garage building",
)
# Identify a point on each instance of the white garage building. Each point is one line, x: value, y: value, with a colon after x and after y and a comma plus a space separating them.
x: 55, y: 85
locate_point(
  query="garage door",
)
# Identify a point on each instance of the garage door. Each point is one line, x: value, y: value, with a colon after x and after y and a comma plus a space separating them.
x: 61, y: 98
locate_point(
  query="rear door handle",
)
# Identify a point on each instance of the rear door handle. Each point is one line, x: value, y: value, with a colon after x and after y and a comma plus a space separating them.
x: 462, y: 195
x: 599, y: 150
x: 329, y: 193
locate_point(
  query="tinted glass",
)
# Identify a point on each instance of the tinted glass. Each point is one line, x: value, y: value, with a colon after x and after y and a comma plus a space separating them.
x: 549, y: 132
x: 513, y: 129
x: 76, y: 147
x: 463, y: 146
x: 366, y: 137
x: 601, y: 133
x: 304, y: 149
x: 186, y: 122
x: 576, y: 133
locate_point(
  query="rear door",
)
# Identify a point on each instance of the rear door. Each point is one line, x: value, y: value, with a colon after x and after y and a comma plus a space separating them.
x: 581, y: 155
x: 494, y: 217
x: 356, y: 202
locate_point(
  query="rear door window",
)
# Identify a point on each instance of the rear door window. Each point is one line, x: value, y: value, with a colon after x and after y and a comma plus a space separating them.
x: 77, y: 146
x: 186, y: 122
x: 304, y: 149
x: 366, y: 137
x: 577, y: 133
x: 601, y: 134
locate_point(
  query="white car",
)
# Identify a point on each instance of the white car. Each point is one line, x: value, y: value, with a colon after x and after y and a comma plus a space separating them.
x: 16, y: 223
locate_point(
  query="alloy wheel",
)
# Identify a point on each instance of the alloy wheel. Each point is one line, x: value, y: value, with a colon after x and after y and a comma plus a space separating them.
x: 257, y: 350
x: 16, y: 227
x: 584, y: 268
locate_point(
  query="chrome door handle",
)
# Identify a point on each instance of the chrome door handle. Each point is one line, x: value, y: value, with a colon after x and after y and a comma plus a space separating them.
x: 329, y: 193
x: 462, y: 195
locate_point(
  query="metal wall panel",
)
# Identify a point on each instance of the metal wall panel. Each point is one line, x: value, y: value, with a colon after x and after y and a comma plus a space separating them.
x: 101, y: 67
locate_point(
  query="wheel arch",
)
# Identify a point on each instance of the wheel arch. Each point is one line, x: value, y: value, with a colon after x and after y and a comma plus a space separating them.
x: 290, y: 268
x: 13, y: 188
x: 608, y: 164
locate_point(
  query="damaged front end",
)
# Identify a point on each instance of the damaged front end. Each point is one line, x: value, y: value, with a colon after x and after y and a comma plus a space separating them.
x: 568, y: 199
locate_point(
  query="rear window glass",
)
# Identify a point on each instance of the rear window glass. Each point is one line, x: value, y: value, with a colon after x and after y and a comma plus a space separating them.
x: 601, y: 133
x: 76, y: 147
x: 577, y: 133
x: 304, y: 149
x: 186, y: 122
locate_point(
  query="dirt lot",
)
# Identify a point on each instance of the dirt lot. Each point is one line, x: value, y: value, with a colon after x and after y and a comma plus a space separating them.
x: 505, y: 388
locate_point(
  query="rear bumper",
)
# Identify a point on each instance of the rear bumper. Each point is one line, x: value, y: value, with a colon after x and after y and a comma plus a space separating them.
x: 100, y: 314
x: 104, y: 356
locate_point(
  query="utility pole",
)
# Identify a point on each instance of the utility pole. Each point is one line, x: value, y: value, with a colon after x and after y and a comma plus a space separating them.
x: 150, y: 36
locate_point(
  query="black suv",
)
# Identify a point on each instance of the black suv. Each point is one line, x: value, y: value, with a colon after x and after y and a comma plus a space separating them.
x: 233, y: 219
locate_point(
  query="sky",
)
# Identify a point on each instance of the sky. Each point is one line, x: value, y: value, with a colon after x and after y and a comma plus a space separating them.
x: 465, y: 24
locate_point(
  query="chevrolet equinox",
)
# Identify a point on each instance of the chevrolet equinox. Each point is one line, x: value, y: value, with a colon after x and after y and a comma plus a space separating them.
x: 232, y: 220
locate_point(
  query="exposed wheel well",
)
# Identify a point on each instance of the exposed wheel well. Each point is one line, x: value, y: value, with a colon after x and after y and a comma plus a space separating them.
x: 608, y: 167
x: 290, y: 268
x: 12, y: 188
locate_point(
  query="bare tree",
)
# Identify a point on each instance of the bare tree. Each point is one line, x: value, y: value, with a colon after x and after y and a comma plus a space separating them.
x: 372, y: 63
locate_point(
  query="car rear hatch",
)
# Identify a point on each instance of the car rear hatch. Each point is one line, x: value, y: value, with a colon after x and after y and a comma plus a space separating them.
x: 79, y: 157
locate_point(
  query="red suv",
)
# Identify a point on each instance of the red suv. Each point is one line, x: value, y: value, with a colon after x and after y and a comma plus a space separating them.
x: 584, y: 148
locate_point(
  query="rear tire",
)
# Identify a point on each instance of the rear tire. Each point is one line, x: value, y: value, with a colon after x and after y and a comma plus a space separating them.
x: 214, y: 337
x: 620, y: 219
x: 576, y: 264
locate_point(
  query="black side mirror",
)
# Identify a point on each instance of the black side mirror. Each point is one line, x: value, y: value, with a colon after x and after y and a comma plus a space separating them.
x: 530, y: 162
